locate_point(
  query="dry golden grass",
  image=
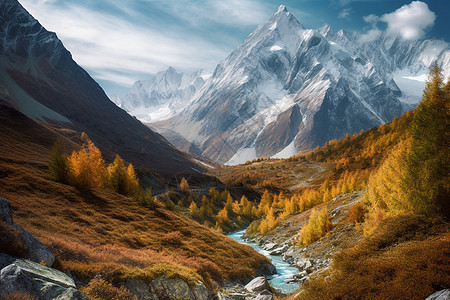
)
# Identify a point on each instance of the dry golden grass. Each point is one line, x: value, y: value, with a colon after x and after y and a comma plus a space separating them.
x: 99, y: 231
x: 273, y: 175
x: 99, y: 289
x: 406, y: 258
x: 18, y: 296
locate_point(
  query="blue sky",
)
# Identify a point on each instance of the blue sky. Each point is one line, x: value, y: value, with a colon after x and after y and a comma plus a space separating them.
x: 121, y: 41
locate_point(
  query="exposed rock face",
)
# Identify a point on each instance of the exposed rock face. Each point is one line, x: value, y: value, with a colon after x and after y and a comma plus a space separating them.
x: 259, y: 288
x: 258, y: 284
x: 168, y: 289
x: 140, y: 289
x: 34, y: 249
x: 5, y: 211
x: 5, y: 260
x: 287, y: 88
x: 37, y: 280
x: 440, y: 295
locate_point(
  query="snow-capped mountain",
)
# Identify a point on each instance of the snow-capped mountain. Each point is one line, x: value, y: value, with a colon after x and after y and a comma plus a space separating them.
x: 287, y: 88
x: 162, y: 96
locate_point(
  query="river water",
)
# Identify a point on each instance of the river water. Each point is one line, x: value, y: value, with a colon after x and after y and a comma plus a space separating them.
x: 285, y: 272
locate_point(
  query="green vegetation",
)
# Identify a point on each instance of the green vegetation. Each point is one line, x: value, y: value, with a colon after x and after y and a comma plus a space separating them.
x: 427, y: 178
x: 58, y: 166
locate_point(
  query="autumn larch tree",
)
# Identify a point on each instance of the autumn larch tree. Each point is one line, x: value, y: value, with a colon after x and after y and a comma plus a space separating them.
x: 427, y: 180
x: 57, y: 166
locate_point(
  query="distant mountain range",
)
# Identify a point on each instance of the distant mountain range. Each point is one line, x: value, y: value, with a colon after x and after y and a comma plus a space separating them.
x: 285, y: 89
x: 39, y: 79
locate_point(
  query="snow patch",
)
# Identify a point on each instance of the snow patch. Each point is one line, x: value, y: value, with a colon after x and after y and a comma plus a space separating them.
x: 287, y: 152
x: 205, y: 164
x: 153, y: 114
x: 411, y: 85
x: 241, y: 156
x: 275, y: 48
x: 432, y: 51
x: 274, y: 26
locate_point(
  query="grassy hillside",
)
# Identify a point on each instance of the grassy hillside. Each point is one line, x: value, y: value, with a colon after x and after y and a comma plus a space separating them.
x: 100, y: 232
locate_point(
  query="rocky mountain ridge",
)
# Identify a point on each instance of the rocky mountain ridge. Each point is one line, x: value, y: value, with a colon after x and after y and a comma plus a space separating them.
x: 40, y: 79
x: 288, y: 88
x: 162, y: 96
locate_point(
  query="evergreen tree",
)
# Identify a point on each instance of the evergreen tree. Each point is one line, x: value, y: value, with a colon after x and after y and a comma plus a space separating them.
x: 132, y: 181
x: 57, y: 166
x: 427, y: 181
x: 229, y: 205
x: 194, y: 211
x: 117, y: 176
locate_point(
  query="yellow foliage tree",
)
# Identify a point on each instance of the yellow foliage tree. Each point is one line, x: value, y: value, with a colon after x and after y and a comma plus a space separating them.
x: 194, y: 211
x: 317, y: 226
x: 184, y: 186
x: 132, y: 181
x: 122, y: 179
x: 385, y: 186
x: 87, y: 167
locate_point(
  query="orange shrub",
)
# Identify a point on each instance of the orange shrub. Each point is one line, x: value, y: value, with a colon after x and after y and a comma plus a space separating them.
x: 99, y: 289
x: 357, y: 213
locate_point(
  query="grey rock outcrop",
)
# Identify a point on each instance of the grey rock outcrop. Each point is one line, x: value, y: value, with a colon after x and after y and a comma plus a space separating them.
x: 167, y: 289
x: 440, y: 295
x: 34, y: 249
x: 259, y: 288
x: 5, y: 211
x: 258, y: 284
x: 37, y: 280
x: 140, y: 289
x: 5, y: 260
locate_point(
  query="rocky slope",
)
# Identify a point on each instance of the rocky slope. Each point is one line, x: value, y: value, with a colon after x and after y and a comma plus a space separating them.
x: 288, y: 88
x: 40, y: 79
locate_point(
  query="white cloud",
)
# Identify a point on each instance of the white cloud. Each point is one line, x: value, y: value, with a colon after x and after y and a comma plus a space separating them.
x: 410, y: 20
x: 344, y: 14
x: 370, y: 35
x: 117, y: 48
x: 372, y: 19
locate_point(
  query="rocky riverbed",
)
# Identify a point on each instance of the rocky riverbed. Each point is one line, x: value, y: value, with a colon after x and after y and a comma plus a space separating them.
x: 309, y: 261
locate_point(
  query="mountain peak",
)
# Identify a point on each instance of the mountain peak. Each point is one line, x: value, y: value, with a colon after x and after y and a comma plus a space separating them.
x: 281, y: 9
x: 325, y: 30
x: 171, y: 69
x: 283, y: 16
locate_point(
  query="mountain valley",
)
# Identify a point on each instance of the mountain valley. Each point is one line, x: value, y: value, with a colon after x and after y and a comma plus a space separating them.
x: 309, y: 164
